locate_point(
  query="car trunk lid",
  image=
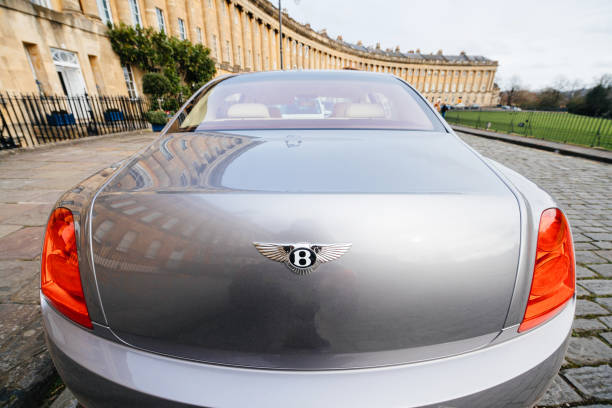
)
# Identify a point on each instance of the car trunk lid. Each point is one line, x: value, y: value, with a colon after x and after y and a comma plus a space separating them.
x: 434, y: 234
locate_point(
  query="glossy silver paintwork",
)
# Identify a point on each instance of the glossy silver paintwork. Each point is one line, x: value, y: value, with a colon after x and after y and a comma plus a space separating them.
x: 435, y: 237
x: 511, y: 374
x: 380, y: 304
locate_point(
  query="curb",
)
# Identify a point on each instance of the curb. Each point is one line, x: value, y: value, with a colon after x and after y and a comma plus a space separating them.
x: 561, y: 148
x: 67, y: 142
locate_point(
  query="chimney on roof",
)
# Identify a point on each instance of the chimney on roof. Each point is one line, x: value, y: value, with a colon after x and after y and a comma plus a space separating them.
x: 418, y: 50
x: 387, y: 49
x: 378, y: 46
x: 397, y: 49
x: 307, y: 25
x: 360, y: 43
x: 323, y: 32
x: 339, y: 38
x: 439, y: 52
x: 462, y: 53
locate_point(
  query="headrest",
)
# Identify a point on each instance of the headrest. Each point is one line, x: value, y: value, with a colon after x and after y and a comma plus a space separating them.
x: 364, y: 111
x: 248, y: 111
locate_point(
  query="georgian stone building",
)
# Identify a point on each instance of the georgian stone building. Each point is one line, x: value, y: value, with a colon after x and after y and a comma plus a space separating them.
x: 60, y: 47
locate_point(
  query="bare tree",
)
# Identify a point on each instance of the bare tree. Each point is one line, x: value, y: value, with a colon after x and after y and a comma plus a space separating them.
x: 512, y: 88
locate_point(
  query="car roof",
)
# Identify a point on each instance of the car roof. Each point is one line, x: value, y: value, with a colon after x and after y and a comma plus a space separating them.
x: 316, y: 74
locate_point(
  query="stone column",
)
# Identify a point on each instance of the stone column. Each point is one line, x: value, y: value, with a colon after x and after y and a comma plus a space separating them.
x: 124, y: 12
x: 71, y: 6
x: 149, y: 16
x: 90, y: 8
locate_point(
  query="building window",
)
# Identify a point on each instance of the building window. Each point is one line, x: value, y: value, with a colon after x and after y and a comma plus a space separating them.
x: 248, y: 62
x: 135, y: 13
x: 182, y: 33
x: 129, y: 81
x: 235, y: 16
x: 209, y: 3
x: 227, y: 51
x: 215, y: 49
x: 238, y: 57
x: 199, y: 34
x: 105, y: 11
x: 43, y: 3
x: 29, y: 50
x: 161, y: 23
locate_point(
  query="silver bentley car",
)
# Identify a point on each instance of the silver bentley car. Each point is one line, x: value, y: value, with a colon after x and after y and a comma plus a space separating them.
x: 307, y: 239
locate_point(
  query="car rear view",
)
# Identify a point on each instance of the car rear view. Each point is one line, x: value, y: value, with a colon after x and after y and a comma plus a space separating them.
x: 308, y: 239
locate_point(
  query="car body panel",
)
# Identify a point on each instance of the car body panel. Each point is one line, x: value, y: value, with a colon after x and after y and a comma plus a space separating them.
x: 435, y: 241
x: 512, y: 374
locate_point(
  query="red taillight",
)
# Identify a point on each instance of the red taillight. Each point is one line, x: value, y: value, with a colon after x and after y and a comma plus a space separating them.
x: 60, y: 277
x: 553, y: 275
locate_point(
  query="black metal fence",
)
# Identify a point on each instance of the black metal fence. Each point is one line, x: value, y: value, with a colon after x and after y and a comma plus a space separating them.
x: 31, y: 120
x: 555, y: 126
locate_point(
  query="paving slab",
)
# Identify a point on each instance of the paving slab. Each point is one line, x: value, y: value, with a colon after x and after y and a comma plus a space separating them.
x: 30, y: 183
x: 603, y: 269
x: 599, y: 287
x: 587, y: 325
x: 587, y: 308
x: 594, y: 382
x: 588, y: 351
x: 559, y: 392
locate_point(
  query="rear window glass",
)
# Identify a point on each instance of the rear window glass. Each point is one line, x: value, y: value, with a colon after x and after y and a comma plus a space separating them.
x: 307, y: 101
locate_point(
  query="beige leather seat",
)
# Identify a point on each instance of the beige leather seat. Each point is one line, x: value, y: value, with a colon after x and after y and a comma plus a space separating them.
x: 248, y: 111
x: 364, y: 111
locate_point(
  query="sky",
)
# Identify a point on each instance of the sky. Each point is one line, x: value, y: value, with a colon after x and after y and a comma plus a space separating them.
x: 540, y: 41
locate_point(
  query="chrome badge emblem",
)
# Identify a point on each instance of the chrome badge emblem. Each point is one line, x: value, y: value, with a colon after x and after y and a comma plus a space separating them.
x: 302, y: 258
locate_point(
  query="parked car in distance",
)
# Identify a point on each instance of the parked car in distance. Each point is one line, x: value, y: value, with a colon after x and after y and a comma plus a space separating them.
x: 262, y: 254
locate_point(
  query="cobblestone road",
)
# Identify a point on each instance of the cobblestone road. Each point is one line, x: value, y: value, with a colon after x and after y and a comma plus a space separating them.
x: 31, y: 182
x: 583, y: 188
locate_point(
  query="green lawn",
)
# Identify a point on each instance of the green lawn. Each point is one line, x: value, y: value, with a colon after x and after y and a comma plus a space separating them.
x: 556, y: 126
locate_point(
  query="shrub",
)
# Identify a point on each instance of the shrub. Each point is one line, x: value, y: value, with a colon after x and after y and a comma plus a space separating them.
x: 171, y: 104
x: 157, y: 117
x: 156, y: 85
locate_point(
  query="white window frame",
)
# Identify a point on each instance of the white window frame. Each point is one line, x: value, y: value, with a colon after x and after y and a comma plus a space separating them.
x: 182, y: 32
x: 105, y: 11
x: 199, y: 34
x: 128, y: 75
x: 161, y: 21
x: 215, y: 47
x: 136, y: 18
x: 42, y: 3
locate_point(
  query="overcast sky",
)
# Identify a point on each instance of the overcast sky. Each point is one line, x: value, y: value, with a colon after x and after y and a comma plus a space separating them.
x: 538, y: 40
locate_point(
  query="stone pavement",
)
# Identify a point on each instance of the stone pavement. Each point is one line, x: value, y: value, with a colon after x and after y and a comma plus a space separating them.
x: 31, y: 182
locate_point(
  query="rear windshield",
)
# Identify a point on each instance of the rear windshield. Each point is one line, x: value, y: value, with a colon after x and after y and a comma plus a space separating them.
x: 307, y: 101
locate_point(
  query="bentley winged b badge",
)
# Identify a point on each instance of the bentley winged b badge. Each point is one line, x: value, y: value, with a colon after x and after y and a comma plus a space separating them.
x: 302, y: 258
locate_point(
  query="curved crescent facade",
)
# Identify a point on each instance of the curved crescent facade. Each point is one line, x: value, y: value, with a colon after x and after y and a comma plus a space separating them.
x: 47, y: 37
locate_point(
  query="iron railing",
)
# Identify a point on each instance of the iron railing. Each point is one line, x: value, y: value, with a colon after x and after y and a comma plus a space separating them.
x: 555, y: 126
x: 31, y: 120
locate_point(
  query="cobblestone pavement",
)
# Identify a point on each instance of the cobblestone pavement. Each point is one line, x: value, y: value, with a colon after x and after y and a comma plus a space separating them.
x: 583, y: 189
x: 31, y: 182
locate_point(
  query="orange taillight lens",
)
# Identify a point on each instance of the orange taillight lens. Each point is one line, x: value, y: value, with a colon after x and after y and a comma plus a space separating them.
x: 553, y: 281
x: 60, y: 276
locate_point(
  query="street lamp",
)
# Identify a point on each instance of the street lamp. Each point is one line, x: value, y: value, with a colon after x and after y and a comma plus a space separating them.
x: 280, y: 33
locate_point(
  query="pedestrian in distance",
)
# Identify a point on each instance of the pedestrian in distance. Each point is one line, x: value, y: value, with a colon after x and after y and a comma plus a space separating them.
x: 443, y: 110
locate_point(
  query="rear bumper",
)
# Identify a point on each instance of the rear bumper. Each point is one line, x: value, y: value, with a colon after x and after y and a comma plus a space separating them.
x: 104, y: 373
